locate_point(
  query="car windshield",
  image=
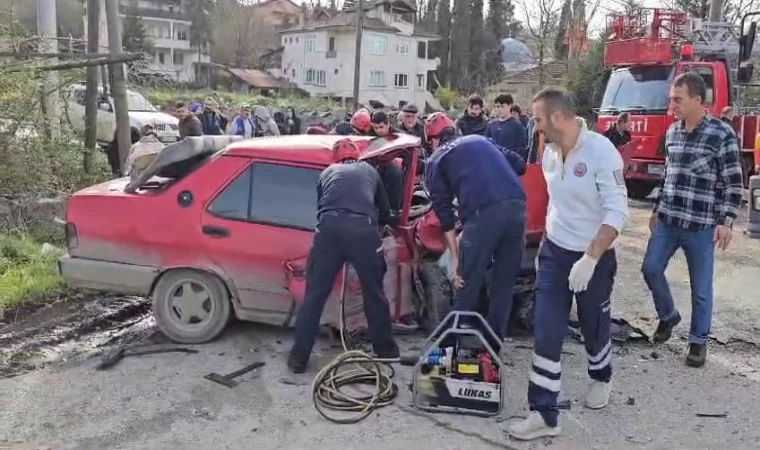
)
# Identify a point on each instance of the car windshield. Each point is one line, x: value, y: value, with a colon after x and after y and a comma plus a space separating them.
x: 638, y: 89
x: 136, y: 102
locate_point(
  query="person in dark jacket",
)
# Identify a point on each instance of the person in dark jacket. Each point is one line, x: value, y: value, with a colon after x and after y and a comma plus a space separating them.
x: 352, y: 207
x: 620, y: 132
x: 292, y: 123
x: 506, y: 130
x: 213, y: 122
x: 189, y: 124
x: 410, y: 124
x: 244, y: 124
x: 392, y: 176
x: 112, y: 150
x: 517, y: 113
x: 473, y: 121
x: 343, y: 129
x: 484, y: 178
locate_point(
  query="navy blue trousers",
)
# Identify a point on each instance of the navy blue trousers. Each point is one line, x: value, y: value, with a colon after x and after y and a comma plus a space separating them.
x: 554, y: 300
x: 494, y: 236
x: 338, y: 239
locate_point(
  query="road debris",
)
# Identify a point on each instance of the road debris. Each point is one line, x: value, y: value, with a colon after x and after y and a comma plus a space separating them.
x: 631, y: 401
x: 112, y: 357
x: 715, y: 415
x: 227, y: 380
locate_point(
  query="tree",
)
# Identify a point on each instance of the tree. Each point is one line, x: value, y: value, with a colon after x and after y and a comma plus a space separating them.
x: 135, y: 37
x: 541, y: 17
x: 245, y: 37
x: 500, y: 23
x: 444, y: 30
x: 332, y: 8
x: 587, y: 81
x: 460, y: 43
x: 477, y: 51
x: 560, y: 47
x: 201, y: 14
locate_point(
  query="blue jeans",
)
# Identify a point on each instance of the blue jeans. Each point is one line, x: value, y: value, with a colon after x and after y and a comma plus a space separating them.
x: 699, y: 248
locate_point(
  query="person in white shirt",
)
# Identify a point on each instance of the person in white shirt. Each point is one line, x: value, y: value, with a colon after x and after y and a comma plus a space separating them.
x: 588, y: 207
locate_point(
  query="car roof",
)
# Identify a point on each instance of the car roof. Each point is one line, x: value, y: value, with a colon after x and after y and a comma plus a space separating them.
x: 315, y: 148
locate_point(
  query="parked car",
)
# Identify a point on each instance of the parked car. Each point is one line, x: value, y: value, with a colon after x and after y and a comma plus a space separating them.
x: 211, y: 234
x: 141, y: 112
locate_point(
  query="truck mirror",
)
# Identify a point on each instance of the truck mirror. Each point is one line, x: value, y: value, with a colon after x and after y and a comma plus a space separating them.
x: 747, y: 41
x: 744, y: 74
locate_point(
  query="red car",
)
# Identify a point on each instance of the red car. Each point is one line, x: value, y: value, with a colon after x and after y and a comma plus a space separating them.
x: 211, y: 234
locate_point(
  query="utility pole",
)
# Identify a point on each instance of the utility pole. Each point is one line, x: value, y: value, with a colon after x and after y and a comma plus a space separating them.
x: 118, y: 85
x: 716, y: 11
x: 91, y: 100
x: 358, y: 55
x: 48, y: 29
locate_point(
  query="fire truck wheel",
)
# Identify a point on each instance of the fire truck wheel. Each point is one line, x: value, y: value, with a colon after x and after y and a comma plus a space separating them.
x: 190, y: 306
x: 438, y: 295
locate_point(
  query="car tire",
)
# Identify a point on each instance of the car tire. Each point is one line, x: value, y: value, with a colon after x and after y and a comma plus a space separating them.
x: 438, y: 295
x: 183, y: 295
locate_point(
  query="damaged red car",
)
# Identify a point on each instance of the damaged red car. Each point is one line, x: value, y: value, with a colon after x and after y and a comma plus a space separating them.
x: 213, y: 234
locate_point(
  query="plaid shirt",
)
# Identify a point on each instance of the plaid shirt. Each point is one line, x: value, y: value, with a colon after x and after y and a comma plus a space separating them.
x: 703, y: 176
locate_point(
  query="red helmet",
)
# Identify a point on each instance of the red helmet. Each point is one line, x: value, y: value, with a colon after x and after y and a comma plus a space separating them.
x: 345, y: 149
x: 362, y: 121
x: 436, y: 124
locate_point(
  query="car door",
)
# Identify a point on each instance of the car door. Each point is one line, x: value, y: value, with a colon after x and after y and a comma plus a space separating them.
x: 75, y: 105
x: 262, y: 218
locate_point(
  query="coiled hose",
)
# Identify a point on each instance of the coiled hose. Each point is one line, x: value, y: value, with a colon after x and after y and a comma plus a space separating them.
x: 354, y: 368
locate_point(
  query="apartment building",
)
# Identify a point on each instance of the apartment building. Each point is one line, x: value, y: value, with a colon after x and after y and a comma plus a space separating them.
x: 396, y: 61
x: 168, y: 24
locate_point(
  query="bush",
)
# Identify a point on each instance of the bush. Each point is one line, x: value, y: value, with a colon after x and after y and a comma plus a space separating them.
x: 26, y: 274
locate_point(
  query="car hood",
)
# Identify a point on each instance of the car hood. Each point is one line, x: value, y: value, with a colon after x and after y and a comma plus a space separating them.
x: 153, y: 117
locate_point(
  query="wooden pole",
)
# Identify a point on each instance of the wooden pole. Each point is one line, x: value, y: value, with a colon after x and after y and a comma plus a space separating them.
x: 118, y: 85
x: 91, y: 99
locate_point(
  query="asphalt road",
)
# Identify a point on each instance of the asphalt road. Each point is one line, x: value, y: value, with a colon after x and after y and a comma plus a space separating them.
x: 162, y: 401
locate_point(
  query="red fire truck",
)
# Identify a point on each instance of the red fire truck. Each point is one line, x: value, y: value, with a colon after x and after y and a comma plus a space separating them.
x: 645, y: 52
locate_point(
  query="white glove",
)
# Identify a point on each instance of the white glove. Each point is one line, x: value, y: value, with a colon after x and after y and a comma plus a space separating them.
x: 581, y: 273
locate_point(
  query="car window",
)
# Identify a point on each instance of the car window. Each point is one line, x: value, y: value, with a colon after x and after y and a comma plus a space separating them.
x: 284, y: 195
x: 232, y: 203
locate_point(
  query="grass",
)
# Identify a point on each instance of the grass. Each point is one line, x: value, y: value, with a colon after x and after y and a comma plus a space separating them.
x: 26, y: 274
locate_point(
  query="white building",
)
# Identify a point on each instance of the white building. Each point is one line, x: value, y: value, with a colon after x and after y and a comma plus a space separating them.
x: 168, y: 24
x: 396, y: 61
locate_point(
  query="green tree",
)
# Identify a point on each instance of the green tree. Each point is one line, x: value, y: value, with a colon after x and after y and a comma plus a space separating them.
x: 135, y: 37
x: 201, y: 14
x: 477, y: 51
x: 587, y: 81
x: 444, y: 45
x: 460, y: 43
x: 500, y: 24
x: 560, y: 47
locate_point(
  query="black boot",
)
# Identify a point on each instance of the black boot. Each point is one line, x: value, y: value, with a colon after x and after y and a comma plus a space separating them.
x: 665, y: 329
x: 387, y: 351
x: 697, y: 355
x: 297, y: 364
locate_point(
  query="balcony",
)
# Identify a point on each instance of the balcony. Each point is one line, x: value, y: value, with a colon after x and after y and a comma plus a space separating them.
x: 331, y: 54
x: 170, y: 43
x: 153, y: 13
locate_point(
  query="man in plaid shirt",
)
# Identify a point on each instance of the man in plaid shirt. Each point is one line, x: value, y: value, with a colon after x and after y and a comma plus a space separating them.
x: 700, y: 195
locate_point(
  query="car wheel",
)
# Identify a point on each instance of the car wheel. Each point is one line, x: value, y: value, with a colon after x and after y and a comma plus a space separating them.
x: 191, y: 307
x: 438, y: 295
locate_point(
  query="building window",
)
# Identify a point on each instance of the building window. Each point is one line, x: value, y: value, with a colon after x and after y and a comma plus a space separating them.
x: 422, y: 49
x: 336, y: 71
x: 402, y: 48
x: 296, y: 40
x: 378, y: 45
x: 401, y: 80
x: 311, y: 44
x: 377, y: 78
x: 316, y: 77
x: 161, y: 58
x: 284, y: 41
x: 293, y: 73
x: 331, y: 45
x: 285, y: 71
x: 290, y: 40
x: 421, y: 80
x: 182, y: 34
x: 179, y: 59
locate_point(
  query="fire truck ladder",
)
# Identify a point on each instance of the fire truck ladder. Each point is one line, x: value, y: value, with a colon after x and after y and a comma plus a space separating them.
x: 713, y: 38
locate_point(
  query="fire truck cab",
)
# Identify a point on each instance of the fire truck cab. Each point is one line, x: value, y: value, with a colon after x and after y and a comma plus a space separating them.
x: 645, y: 52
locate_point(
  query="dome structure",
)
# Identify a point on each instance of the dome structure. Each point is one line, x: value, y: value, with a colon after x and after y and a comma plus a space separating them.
x: 515, y: 55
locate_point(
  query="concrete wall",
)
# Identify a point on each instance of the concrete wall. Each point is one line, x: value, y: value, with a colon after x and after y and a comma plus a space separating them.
x: 338, y: 65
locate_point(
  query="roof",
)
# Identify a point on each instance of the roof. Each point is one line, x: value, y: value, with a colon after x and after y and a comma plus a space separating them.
x: 372, y: 4
x: 260, y: 79
x: 342, y: 20
x: 552, y: 70
x: 422, y: 32
x: 265, y: 3
x: 315, y: 148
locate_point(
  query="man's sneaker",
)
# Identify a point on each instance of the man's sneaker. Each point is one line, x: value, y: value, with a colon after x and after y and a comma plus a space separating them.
x: 598, y: 395
x: 532, y: 427
x: 697, y: 355
x: 296, y: 365
x: 388, y: 352
x: 665, y: 329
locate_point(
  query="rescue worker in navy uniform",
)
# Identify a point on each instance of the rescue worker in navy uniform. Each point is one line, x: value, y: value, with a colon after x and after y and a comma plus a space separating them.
x: 588, y: 207
x: 350, y: 197
x: 484, y: 178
